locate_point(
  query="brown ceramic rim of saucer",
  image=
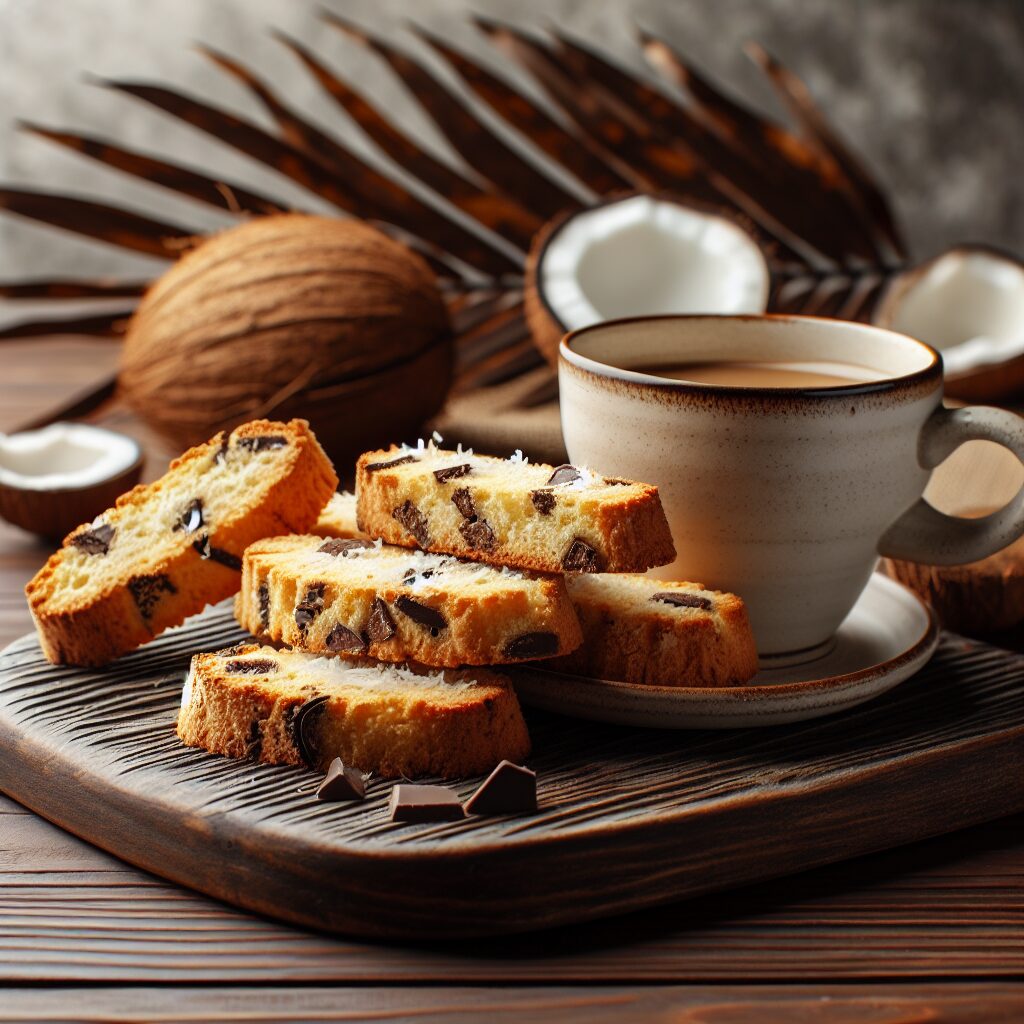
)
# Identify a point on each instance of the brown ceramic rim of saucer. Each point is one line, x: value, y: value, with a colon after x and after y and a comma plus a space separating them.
x: 616, y: 376
x: 771, y: 691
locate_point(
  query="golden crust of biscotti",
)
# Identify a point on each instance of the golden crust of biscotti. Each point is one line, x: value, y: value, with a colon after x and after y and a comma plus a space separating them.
x: 338, y: 518
x: 511, y: 512
x: 394, y: 721
x: 389, y: 603
x: 631, y: 633
x: 163, y: 562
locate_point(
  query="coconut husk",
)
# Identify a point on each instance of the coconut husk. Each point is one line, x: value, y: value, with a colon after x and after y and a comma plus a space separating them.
x: 292, y: 315
x: 978, y: 599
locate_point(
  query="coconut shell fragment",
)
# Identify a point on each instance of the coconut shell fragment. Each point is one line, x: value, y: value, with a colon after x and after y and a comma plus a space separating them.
x: 292, y: 315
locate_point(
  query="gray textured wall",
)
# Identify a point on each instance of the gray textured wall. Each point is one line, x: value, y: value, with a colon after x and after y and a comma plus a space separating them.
x: 930, y: 91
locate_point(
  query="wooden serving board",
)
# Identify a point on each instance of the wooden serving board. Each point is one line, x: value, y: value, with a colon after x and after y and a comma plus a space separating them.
x: 629, y: 818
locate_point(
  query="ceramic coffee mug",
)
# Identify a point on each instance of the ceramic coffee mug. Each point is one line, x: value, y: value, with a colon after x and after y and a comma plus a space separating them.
x: 784, y: 496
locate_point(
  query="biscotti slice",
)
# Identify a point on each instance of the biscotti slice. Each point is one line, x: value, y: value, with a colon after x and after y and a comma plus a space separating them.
x: 362, y: 598
x: 642, y: 630
x: 286, y: 707
x: 169, y: 548
x: 338, y: 518
x: 511, y: 512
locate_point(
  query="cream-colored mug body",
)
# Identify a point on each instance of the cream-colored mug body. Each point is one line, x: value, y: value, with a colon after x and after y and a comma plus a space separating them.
x: 784, y: 496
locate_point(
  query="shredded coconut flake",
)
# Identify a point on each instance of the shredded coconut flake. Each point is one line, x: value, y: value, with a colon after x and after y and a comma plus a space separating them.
x: 518, y: 458
x: 389, y: 676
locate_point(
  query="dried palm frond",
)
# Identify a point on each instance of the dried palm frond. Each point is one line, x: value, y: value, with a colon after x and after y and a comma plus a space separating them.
x: 828, y: 229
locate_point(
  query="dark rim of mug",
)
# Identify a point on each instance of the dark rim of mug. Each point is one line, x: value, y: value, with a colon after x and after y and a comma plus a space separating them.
x: 588, y: 364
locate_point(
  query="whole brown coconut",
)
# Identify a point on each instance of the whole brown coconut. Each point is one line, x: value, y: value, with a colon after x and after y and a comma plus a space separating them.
x: 292, y: 315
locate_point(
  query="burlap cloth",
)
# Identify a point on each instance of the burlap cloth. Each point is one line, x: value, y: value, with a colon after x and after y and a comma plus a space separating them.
x: 521, y: 413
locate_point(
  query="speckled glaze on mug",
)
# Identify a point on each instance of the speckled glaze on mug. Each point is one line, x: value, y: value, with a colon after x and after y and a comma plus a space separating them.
x: 784, y: 496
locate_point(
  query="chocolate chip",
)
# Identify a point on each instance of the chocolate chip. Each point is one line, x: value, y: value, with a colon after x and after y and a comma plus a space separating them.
x: 442, y: 476
x: 147, y: 591
x: 509, y: 789
x: 410, y: 576
x: 414, y: 521
x: 254, y: 740
x: 342, y: 783
x: 478, y: 535
x: 681, y: 600
x: 263, y: 594
x: 341, y: 638
x: 581, y: 557
x: 302, y: 719
x: 422, y: 613
x: 95, y: 541
x: 543, y: 501
x: 202, y: 545
x: 372, y: 467
x: 342, y: 546
x: 192, y: 518
x: 564, y: 474
x: 262, y: 444
x: 380, y: 626
x: 221, y: 455
x: 310, y: 607
x: 463, y: 501
x: 532, y: 645
x: 250, y: 667
x: 424, y: 803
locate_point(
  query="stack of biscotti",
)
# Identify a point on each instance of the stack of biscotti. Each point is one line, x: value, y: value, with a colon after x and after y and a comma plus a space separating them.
x: 595, y: 532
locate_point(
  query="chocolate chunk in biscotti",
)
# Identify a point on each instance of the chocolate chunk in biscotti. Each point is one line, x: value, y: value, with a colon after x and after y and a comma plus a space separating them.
x: 414, y: 521
x: 341, y: 638
x: 403, y: 605
x: 683, y: 600
x: 533, y: 512
x: 422, y: 613
x: 543, y: 500
x: 380, y: 626
x: 149, y: 590
x: 479, y: 535
x: 564, y: 475
x: 95, y: 541
x: 160, y: 554
x: 442, y: 476
x: 339, y: 547
x: 532, y: 645
x: 396, y: 721
x: 463, y: 501
x: 581, y: 557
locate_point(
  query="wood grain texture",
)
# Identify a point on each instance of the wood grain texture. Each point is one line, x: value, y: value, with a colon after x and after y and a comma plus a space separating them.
x: 675, y: 1004
x: 701, y: 811
x: 944, y: 908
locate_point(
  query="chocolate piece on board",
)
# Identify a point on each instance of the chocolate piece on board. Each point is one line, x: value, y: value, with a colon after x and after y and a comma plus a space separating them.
x: 509, y: 789
x: 342, y: 782
x: 424, y: 803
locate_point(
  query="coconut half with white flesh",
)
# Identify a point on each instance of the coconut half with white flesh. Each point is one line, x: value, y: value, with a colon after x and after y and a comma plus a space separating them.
x: 969, y: 304
x: 639, y: 255
x: 57, y: 478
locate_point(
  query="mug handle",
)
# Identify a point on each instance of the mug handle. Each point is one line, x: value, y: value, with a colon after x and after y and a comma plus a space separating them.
x: 923, y: 533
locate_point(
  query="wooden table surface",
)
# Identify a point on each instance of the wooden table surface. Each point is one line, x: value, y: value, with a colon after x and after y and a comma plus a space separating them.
x: 933, y: 931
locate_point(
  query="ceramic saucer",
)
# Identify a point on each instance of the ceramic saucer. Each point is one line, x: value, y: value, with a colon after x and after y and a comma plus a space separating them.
x: 890, y: 634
